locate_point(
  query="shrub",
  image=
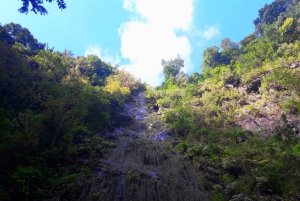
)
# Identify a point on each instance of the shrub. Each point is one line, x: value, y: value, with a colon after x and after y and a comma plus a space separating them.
x: 181, y: 147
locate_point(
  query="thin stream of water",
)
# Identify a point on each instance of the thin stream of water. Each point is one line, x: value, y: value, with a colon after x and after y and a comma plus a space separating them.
x: 120, y: 190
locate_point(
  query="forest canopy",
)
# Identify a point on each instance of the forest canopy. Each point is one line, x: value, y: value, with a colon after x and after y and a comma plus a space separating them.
x: 49, y: 101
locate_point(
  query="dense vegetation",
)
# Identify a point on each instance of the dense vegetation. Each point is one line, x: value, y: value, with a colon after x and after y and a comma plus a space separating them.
x: 54, y: 110
x: 238, y: 120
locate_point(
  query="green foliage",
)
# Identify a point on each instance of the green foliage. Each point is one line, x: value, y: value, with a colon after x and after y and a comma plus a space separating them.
x: 172, y: 67
x: 287, y: 26
x: 206, y: 112
x: 293, y: 11
x: 296, y: 148
x: 65, y: 179
x: 90, y: 69
x: 181, y: 147
x: 247, y: 40
x: 16, y: 33
x: 226, y: 43
x: 53, y: 110
x: 219, y: 197
x: 194, y: 151
x: 288, y: 31
x: 194, y: 78
x: 164, y: 154
x: 180, y: 120
x: 270, y: 32
x: 269, y: 13
x: 226, y: 179
x: 285, y: 134
x: 97, y: 70
x: 121, y: 85
x: 211, y: 57
x: 256, y: 53
x: 37, y: 6
x: 25, y: 180
x: 246, y: 164
x: 86, y: 172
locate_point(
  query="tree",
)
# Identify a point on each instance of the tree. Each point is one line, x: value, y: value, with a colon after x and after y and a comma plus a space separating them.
x: 172, y: 67
x: 37, y: 6
x: 182, y: 79
x: 4, y: 36
x: 269, y: 14
x: 293, y: 11
x: 288, y: 31
x: 226, y: 43
x: 16, y: 33
x: 247, y: 40
x: 229, y: 50
x: 270, y: 31
x: 211, y: 57
x: 101, y: 68
x: 127, y: 80
x: 194, y: 77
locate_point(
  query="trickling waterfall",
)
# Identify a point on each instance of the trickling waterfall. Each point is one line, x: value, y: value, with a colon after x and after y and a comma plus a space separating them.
x: 120, y: 190
x: 142, y: 169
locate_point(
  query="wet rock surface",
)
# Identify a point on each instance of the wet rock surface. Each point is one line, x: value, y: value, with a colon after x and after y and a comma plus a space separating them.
x: 141, y: 168
x: 137, y: 170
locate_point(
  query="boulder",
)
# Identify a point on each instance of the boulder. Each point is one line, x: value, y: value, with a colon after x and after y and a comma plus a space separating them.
x: 254, y: 85
x: 232, y: 82
x: 294, y: 65
x: 249, y: 124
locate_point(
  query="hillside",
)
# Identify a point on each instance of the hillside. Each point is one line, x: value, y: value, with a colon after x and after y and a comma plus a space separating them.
x: 239, y: 119
x: 78, y: 128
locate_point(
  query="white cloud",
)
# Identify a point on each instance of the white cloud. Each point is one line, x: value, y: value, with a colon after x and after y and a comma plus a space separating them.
x: 150, y: 36
x: 103, y: 55
x: 209, y: 33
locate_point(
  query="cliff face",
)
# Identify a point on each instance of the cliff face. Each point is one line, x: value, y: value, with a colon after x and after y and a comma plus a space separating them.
x: 139, y: 167
x: 261, y: 109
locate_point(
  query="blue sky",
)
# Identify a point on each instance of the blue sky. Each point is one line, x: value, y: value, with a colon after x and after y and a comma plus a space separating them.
x: 137, y: 34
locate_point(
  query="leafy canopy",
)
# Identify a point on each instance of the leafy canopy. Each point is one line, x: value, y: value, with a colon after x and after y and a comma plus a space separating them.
x: 172, y: 67
x: 37, y: 6
x: 12, y: 33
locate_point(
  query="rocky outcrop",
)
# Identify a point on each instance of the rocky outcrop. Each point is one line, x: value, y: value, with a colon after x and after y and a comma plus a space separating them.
x: 294, y: 65
x: 254, y: 85
x: 259, y: 123
x: 267, y: 124
x: 231, y: 82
